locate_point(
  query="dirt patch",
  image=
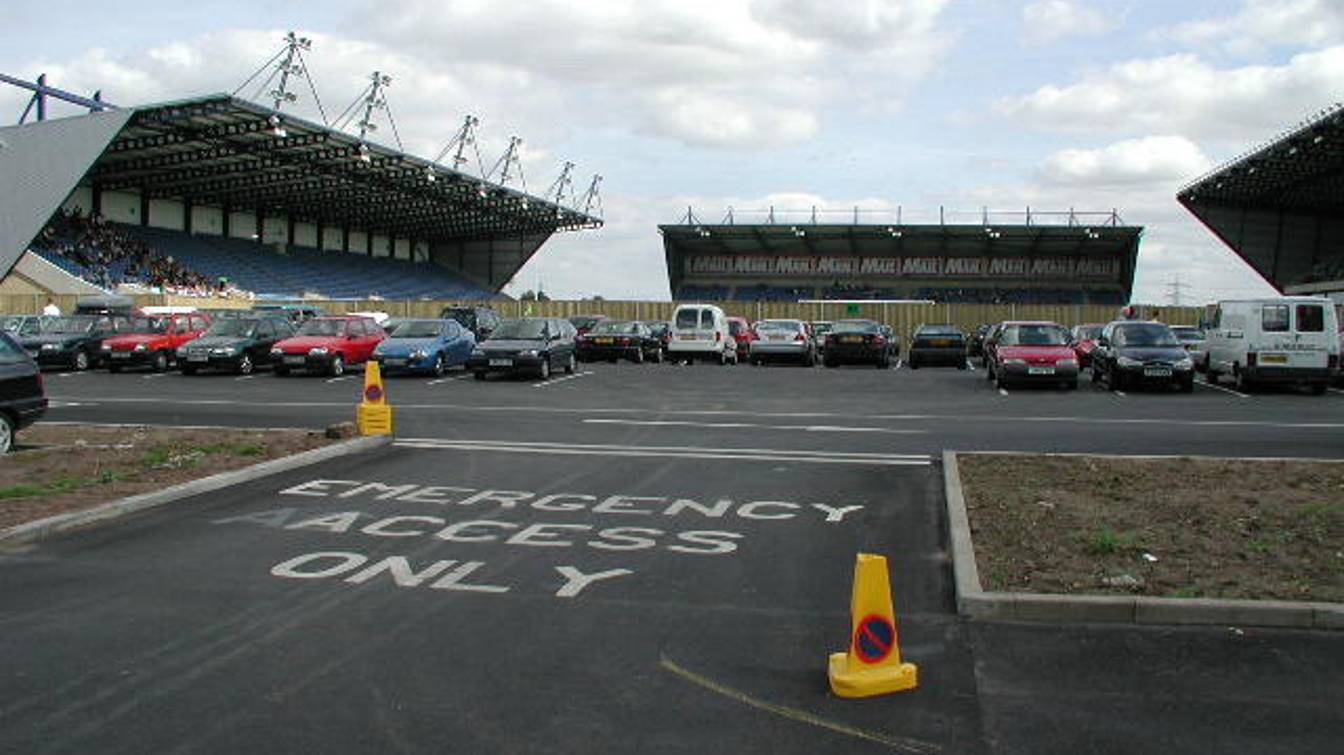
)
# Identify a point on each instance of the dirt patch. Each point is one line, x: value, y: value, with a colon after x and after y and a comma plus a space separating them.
x: 64, y: 468
x: 1171, y: 527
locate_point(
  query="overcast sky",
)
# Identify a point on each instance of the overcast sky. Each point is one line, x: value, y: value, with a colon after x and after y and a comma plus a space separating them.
x: 1090, y: 104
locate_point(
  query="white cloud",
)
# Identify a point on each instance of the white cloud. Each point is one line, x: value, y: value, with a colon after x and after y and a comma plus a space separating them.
x: 1152, y: 159
x: 1049, y: 20
x: 1185, y: 95
x: 1265, y: 23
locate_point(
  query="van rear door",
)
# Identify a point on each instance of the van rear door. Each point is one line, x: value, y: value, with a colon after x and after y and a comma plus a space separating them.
x: 1294, y: 334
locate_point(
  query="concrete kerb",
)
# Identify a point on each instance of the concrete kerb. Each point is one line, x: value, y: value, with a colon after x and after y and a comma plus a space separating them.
x: 976, y: 603
x: 52, y: 526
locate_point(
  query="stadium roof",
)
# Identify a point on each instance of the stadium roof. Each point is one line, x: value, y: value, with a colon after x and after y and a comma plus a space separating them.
x: 223, y: 151
x: 1280, y: 207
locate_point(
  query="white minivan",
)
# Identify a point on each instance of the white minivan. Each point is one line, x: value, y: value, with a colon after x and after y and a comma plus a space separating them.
x: 700, y: 331
x: 1291, y: 339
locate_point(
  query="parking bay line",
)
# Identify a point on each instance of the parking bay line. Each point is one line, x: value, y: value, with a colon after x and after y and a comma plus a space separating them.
x: 557, y: 381
x: 339, y: 379
x: 1238, y: 394
x: 663, y: 452
x: 751, y: 426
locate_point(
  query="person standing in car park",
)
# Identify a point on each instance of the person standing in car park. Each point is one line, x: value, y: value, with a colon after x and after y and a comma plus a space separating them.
x: 51, y: 309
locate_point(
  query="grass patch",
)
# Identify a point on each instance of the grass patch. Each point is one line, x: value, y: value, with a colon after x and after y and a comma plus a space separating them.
x: 1106, y: 541
x: 57, y: 486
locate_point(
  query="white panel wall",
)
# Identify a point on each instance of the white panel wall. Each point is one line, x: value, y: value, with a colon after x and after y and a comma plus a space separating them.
x: 331, y: 239
x: 403, y: 249
x: 380, y: 245
x: 242, y: 225
x: 275, y: 231
x: 421, y: 251
x: 208, y: 221
x: 305, y: 234
x: 165, y: 213
x: 359, y: 242
x: 121, y: 207
x: 81, y: 198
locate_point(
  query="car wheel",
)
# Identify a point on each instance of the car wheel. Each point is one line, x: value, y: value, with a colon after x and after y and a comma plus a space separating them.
x: 281, y: 371
x: 337, y: 366
x: 6, y: 433
x: 1188, y: 386
x: 912, y: 364
x: 244, y: 365
x: 1210, y: 376
x: 81, y: 360
x: 884, y: 364
x: 1072, y: 385
x: 962, y: 364
x: 1000, y: 383
x: 545, y: 370
x: 989, y: 372
x: 1317, y: 389
x: 439, y: 366
x: 828, y: 363
x: 571, y: 365
x: 160, y: 363
x: 1096, y: 373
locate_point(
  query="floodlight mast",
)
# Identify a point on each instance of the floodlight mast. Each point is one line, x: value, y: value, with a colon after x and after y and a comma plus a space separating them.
x: 592, y: 197
x: 510, y: 160
x: 375, y: 99
x: 465, y: 136
x: 287, y: 67
x: 561, y: 188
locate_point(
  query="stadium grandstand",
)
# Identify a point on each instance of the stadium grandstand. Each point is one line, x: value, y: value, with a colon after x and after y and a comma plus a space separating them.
x: 220, y: 195
x: 1028, y: 258
x: 1280, y: 207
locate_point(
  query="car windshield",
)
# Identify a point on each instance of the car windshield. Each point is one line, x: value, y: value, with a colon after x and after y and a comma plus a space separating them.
x: 149, y: 325
x: 852, y: 326
x: 584, y: 321
x: 938, y: 330
x: 1034, y: 335
x: 1145, y: 334
x: 232, y: 327
x: 464, y: 317
x: 70, y: 325
x: 824, y: 327
x: 519, y: 330
x: 788, y: 326
x: 10, y: 352
x: 657, y: 327
x: 1089, y: 332
x: 322, y: 328
x: 1188, y: 334
x: 418, y: 329
x: 610, y: 327
x: 737, y: 327
x: 687, y: 318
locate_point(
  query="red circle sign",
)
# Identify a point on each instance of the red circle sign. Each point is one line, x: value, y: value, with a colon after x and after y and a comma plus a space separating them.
x: 373, y: 393
x: 874, y: 639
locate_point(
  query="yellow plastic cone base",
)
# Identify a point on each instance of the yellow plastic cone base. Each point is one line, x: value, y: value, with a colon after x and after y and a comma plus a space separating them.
x: 374, y: 415
x: 874, y: 680
x: 872, y: 665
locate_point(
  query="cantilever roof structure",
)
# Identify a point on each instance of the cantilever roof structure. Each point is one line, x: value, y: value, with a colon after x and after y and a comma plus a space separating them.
x: 218, y: 150
x: 1281, y: 207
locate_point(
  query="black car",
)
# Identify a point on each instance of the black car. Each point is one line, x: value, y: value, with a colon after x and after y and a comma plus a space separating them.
x: 481, y: 321
x: 235, y: 344
x: 662, y: 330
x: 1135, y: 352
x: 74, y: 342
x: 23, y: 399
x: 975, y: 345
x: 937, y: 344
x: 526, y: 345
x: 858, y: 342
x: 619, y: 339
x: 297, y: 314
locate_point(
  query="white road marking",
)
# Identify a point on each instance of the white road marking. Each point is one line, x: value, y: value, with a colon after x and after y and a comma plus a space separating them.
x: 899, y: 363
x: 339, y: 379
x: 752, y: 426
x: 245, y: 377
x: 1003, y: 392
x: 441, y: 380
x: 153, y: 375
x: 59, y: 404
x: 557, y: 381
x: 70, y: 374
x: 1121, y: 394
x: 666, y: 452
x: 1238, y: 394
x: 1100, y: 455
x: 970, y: 366
x: 1335, y: 390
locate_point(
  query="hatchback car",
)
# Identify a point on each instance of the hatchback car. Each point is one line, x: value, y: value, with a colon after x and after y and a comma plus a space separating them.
x: 619, y: 339
x: 1031, y: 352
x: 152, y: 341
x: 235, y: 344
x: 481, y: 321
x: 1134, y: 352
x: 1193, y: 339
x: 327, y: 345
x: 937, y: 344
x: 584, y: 323
x: 856, y: 342
x: 430, y: 346
x: 23, y: 398
x: 526, y: 345
x: 740, y: 329
x: 74, y: 342
x: 783, y: 340
x: 1085, y: 342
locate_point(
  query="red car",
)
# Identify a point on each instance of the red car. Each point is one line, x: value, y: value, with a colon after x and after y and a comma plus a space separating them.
x: 1084, y: 341
x: 327, y: 344
x: 152, y: 341
x: 585, y: 323
x: 1031, y: 352
x: 741, y: 331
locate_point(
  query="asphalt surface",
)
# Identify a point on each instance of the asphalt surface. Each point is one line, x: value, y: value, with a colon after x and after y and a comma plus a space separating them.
x: 635, y: 559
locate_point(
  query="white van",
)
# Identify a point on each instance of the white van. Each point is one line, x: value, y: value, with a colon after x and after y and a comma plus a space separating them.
x: 700, y: 331
x: 1292, y: 339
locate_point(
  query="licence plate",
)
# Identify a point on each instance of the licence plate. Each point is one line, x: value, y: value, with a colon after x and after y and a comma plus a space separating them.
x: 1040, y: 370
x: 852, y: 339
x: 940, y: 342
x: 501, y: 362
x: 1156, y: 372
x: 121, y: 355
x: 603, y: 341
x: 394, y: 362
x: 1274, y: 359
x: 295, y: 360
x: 197, y: 358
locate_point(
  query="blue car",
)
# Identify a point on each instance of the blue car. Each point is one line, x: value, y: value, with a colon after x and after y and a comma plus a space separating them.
x: 424, y: 346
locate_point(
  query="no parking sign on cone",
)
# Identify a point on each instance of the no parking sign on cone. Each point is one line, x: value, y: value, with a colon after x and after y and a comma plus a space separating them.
x: 374, y: 415
x: 873, y: 665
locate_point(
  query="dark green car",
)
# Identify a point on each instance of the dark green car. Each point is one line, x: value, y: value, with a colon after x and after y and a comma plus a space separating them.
x: 74, y: 342
x: 235, y: 344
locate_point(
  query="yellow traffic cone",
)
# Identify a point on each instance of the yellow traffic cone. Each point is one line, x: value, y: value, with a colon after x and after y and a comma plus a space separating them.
x: 374, y: 416
x: 873, y: 664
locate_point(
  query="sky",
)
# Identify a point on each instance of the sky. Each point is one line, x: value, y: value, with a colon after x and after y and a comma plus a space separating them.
x: 751, y: 104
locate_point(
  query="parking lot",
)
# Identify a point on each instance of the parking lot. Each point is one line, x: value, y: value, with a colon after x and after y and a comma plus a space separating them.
x: 648, y: 558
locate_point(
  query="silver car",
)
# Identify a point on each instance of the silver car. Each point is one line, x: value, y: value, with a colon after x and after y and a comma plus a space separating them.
x: 1192, y: 339
x: 783, y: 340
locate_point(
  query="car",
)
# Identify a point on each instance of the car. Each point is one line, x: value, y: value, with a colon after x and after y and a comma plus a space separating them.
x: 23, y: 397
x: 1192, y: 338
x: 481, y: 321
x: 819, y: 330
x: 1289, y: 340
x: 1031, y: 351
x: 22, y: 326
x: 975, y: 345
x: 783, y: 340
x: 856, y: 342
x: 987, y: 345
x: 234, y: 344
x: 742, y: 334
x: 152, y: 341
x: 297, y: 313
x: 584, y: 323
x: 893, y: 338
x: 937, y: 344
x: 75, y: 341
x: 110, y: 304
x: 538, y: 345
x: 700, y: 331
x: 1085, y: 341
x: 1141, y: 352
x: 662, y: 330
x: 431, y: 346
x: 616, y: 339
x: 328, y: 345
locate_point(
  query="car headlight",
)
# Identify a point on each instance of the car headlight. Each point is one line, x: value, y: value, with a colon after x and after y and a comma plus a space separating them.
x: 318, y: 351
x: 1127, y: 362
x: 181, y: 351
x: 139, y: 347
x: 419, y: 354
x: 1185, y: 364
x: 1066, y: 362
x: 1014, y: 361
x: 106, y: 346
x: 277, y: 352
x: 223, y: 351
x: 50, y: 347
x: 529, y: 353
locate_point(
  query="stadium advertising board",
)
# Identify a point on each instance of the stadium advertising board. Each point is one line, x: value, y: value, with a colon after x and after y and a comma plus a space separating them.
x: 1067, y: 268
